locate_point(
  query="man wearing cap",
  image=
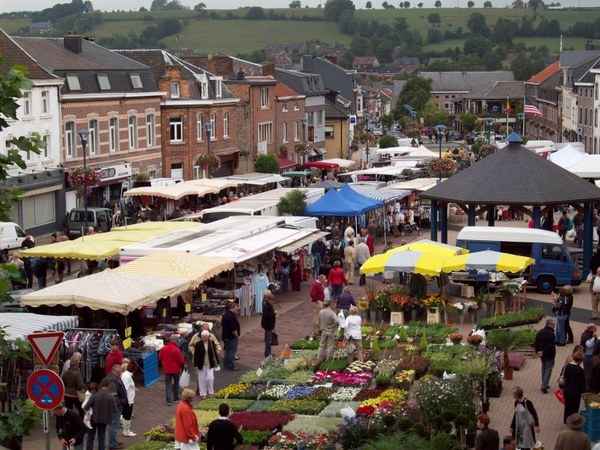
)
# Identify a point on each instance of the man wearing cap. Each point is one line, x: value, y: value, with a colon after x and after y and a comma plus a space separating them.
x: 573, y: 438
x: 69, y: 428
x: 328, y: 325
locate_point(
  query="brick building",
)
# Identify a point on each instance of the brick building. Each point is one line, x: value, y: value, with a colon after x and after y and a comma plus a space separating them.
x: 113, y: 97
x: 199, y: 115
x: 289, y: 128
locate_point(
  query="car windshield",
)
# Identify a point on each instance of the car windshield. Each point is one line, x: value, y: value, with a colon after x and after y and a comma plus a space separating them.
x: 78, y: 215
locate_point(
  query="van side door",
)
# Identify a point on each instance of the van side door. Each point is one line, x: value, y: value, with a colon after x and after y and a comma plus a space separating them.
x: 553, y: 261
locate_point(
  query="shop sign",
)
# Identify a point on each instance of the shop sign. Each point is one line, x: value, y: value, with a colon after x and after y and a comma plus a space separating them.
x: 114, y: 172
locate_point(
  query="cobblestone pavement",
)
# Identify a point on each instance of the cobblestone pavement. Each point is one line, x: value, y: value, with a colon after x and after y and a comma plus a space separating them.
x: 294, y: 320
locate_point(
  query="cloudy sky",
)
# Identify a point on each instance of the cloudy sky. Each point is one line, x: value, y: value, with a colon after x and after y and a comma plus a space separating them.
x: 19, y: 5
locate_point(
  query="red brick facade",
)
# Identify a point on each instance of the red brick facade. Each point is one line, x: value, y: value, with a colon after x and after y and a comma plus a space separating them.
x: 289, y: 130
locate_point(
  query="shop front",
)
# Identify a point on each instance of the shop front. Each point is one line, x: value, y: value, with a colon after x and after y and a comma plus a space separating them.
x: 113, y: 181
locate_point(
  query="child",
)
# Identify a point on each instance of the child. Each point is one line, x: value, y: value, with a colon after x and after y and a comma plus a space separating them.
x: 127, y: 379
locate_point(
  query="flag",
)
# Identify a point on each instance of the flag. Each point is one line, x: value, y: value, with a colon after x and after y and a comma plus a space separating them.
x: 532, y: 110
x: 508, y: 109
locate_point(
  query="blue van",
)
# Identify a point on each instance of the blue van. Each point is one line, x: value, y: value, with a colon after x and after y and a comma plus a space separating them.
x: 554, y: 265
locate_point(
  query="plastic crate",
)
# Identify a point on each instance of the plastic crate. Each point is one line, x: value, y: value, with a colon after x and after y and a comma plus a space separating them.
x: 592, y: 423
x: 150, y: 367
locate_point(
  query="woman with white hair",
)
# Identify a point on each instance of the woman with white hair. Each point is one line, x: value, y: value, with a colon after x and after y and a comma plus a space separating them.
x: 353, y: 334
x: 206, y: 359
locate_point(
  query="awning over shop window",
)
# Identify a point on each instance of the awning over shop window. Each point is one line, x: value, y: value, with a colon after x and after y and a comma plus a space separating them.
x: 295, y: 246
x: 285, y: 163
x: 19, y: 325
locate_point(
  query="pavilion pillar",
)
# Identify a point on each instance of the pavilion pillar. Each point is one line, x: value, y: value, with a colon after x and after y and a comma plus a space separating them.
x: 491, y: 215
x: 536, y: 216
x: 434, y: 219
x: 471, y: 215
x: 444, y: 222
x: 588, y: 237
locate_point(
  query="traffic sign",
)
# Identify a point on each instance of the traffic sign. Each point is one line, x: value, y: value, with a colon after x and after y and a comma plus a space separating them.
x: 45, y: 389
x: 45, y: 345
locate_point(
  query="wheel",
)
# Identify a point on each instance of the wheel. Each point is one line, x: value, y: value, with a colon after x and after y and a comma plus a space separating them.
x: 546, y: 284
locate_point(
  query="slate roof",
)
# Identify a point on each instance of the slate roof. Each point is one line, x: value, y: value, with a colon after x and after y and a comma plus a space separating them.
x: 334, y: 77
x: 514, y: 175
x: 13, y: 54
x: 503, y: 90
x: 309, y: 84
x: 577, y: 57
x: 87, y: 65
x: 545, y: 73
x: 472, y: 82
x: 333, y: 111
x: 585, y: 75
x: 159, y: 60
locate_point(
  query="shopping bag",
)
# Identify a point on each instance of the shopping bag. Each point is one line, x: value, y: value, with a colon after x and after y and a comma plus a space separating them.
x: 274, y: 339
x: 184, y: 379
x: 560, y: 395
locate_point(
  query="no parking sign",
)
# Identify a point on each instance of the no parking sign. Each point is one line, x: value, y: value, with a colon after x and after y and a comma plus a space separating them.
x: 45, y: 389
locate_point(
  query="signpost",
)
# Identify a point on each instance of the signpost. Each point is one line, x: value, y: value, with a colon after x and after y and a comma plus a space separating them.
x: 45, y: 388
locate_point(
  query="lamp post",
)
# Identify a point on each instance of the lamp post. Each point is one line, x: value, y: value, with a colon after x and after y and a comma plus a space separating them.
x: 368, y: 131
x: 440, y: 129
x: 208, y: 133
x: 83, y: 137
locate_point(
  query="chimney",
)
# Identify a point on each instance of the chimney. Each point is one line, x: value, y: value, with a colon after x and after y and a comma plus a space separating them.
x: 268, y: 69
x: 73, y: 43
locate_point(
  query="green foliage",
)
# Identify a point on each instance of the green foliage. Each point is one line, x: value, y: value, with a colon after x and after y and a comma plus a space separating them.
x: 252, y: 437
x: 416, y: 93
x: 305, y: 344
x: 477, y: 24
x: 469, y: 121
x: 235, y: 404
x: 266, y: 164
x: 308, y: 407
x: 255, y: 13
x: 334, y: 364
x: 433, y: 333
x: 148, y: 445
x: 334, y: 9
x: 388, y: 141
x: 513, y: 319
x: 433, y: 115
x: 507, y: 340
x: 18, y: 422
x: 293, y: 203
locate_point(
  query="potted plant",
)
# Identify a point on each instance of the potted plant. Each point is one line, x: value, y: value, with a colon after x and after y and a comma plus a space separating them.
x: 207, y: 161
x: 455, y: 338
x: 16, y: 424
x: 433, y: 304
x: 504, y: 341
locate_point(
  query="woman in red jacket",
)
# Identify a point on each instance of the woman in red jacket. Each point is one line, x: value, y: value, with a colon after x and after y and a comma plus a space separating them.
x: 337, y: 280
x: 187, y: 434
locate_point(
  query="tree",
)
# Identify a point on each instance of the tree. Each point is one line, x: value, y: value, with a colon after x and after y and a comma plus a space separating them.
x: 518, y: 4
x: 478, y: 25
x: 434, y: 19
x: 369, y: 5
x: 470, y: 4
x: 255, y: 13
x: 477, y: 45
x: 407, y: 5
x: 536, y: 4
x: 504, y: 30
x: 360, y: 46
x: 296, y: 4
x: 388, y: 141
x: 415, y: 93
x: 335, y: 8
x: 438, y: 4
x: 469, y: 121
x: 487, y: 4
x: 200, y: 7
x: 266, y: 164
x: 158, y: 5
x: 420, y: 4
x: 433, y: 115
x: 387, y: 121
x: 293, y: 203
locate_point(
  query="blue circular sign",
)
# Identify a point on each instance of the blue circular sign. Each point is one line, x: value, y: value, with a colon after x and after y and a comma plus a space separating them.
x: 45, y: 388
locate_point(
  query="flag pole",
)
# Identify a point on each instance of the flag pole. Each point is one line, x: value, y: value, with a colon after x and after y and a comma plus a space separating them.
x: 507, y: 108
x: 524, y: 100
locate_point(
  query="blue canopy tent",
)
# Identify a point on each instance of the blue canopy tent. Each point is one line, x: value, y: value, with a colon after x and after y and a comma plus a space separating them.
x: 354, y: 196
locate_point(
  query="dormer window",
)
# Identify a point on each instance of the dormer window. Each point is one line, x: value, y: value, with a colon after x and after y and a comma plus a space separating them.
x: 103, y: 82
x: 219, y: 88
x: 175, y: 89
x: 73, y: 83
x: 204, y: 88
x: 136, y: 81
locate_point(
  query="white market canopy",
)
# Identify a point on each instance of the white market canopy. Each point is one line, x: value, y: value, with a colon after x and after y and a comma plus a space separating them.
x: 141, y: 282
x: 418, y: 184
x: 174, y: 191
x: 257, y: 179
x: 20, y: 324
x: 569, y: 155
x: 342, y: 163
x: 383, y: 194
x: 420, y: 152
x: 394, y: 171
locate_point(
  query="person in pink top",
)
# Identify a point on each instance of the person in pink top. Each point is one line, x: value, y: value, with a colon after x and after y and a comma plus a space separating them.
x: 337, y: 279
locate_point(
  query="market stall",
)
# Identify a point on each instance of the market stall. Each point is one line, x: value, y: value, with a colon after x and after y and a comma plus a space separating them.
x: 20, y: 325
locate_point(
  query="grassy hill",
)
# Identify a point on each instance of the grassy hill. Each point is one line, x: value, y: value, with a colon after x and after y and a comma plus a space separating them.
x: 239, y: 36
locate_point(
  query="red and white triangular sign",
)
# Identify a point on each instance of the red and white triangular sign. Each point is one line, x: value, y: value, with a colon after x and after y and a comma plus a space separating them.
x: 45, y: 345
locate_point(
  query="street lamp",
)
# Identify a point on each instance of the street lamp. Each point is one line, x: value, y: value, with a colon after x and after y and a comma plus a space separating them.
x: 208, y: 134
x: 440, y: 130
x: 83, y: 137
x: 367, y: 149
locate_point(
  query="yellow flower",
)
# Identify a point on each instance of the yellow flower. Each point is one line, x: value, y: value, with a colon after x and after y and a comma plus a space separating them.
x: 231, y: 390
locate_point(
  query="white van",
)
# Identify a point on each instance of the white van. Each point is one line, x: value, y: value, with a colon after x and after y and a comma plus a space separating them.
x: 11, y: 236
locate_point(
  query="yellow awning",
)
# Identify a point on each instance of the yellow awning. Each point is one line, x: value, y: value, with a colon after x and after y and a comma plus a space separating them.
x: 105, y: 245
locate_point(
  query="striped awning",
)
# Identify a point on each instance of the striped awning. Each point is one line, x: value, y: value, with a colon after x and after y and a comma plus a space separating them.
x: 295, y: 246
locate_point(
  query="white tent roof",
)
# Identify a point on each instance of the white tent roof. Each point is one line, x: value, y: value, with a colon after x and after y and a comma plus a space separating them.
x: 18, y: 325
x: 418, y: 184
x: 587, y: 167
x: 568, y: 156
x: 343, y: 163
x: 257, y: 179
x: 173, y: 191
x: 407, y: 152
x: 384, y: 194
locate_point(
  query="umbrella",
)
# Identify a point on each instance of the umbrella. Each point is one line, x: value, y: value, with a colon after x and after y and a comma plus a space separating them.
x: 422, y: 262
x: 488, y: 260
x: 377, y: 263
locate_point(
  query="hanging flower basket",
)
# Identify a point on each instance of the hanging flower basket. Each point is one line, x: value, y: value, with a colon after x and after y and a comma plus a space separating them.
x: 79, y: 178
x: 207, y: 161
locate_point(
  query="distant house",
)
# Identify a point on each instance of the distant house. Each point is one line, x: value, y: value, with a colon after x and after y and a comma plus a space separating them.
x: 451, y: 89
x: 337, y: 129
x: 542, y: 92
x: 406, y: 64
x: 365, y: 63
x: 493, y: 100
x: 40, y: 27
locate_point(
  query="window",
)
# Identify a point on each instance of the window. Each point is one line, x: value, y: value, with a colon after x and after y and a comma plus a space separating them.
x: 175, y: 89
x: 296, y: 107
x: 39, y: 210
x: 70, y: 139
x: 113, y: 134
x: 45, y: 103
x: 136, y: 81
x: 264, y: 97
x: 219, y: 88
x: 27, y: 103
x: 103, y: 82
x: 297, y: 131
x: 204, y: 87
x: 225, y: 124
x: 133, y: 132
x: 284, y: 107
x: 197, y: 172
x: 150, y: 134
x: 265, y: 131
x: 585, y: 114
x: 73, y: 83
x: 284, y: 136
x: 93, y: 136
x: 213, y: 127
x: 552, y: 252
x: 596, y: 90
x: 44, y: 149
x: 177, y: 170
x: 199, y: 129
x: 176, y: 129
x: 596, y: 117
x: 579, y: 116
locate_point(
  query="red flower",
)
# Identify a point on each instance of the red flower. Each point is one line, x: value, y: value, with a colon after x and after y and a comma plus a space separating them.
x: 260, y: 420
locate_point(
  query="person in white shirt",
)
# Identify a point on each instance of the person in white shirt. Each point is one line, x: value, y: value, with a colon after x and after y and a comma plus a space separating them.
x: 353, y: 334
x: 127, y: 379
x: 349, y: 234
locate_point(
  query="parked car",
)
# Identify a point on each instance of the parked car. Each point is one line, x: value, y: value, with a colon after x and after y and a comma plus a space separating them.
x: 99, y: 218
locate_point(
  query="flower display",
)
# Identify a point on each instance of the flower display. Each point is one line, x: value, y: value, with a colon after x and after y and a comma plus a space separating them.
x: 288, y: 440
x: 345, y: 394
x: 334, y: 408
x: 260, y: 421
x: 261, y: 405
x: 342, y: 378
x: 359, y: 366
x: 367, y: 393
x: 433, y: 301
x: 276, y: 392
x: 386, y: 400
x: 405, y: 378
x: 313, y: 425
x: 79, y: 178
x: 309, y: 407
x: 321, y: 393
x: 299, y: 392
x: 232, y: 391
x: 388, y: 366
x: 235, y: 404
x: 299, y: 376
